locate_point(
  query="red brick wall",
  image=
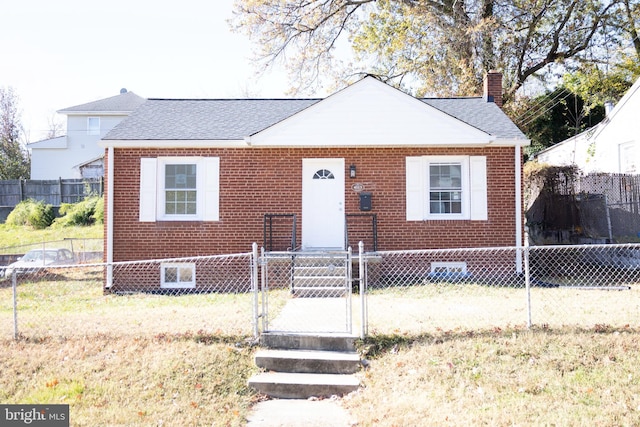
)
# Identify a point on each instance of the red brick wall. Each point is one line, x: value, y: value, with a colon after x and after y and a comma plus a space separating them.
x: 493, y: 86
x: 255, y: 181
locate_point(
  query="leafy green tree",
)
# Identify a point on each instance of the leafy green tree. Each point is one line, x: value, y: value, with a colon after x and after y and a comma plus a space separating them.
x: 577, y: 104
x: 440, y: 47
x: 597, y: 86
x: 553, y: 117
x: 14, y: 159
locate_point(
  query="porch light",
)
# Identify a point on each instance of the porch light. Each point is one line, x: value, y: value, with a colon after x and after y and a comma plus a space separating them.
x: 352, y: 171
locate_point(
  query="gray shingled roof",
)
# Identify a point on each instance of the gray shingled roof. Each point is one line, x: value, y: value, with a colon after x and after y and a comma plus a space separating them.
x: 124, y: 102
x: 234, y: 119
x: 477, y: 112
x: 205, y: 119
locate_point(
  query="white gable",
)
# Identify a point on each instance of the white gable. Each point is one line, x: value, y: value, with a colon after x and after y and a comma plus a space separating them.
x: 617, y: 140
x: 370, y: 113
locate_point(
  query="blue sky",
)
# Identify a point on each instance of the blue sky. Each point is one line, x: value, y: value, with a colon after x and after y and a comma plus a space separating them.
x: 56, y: 54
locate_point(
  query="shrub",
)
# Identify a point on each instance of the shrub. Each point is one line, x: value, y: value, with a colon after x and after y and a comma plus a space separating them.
x: 86, y: 212
x: 32, y: 213
x: 98, y: 211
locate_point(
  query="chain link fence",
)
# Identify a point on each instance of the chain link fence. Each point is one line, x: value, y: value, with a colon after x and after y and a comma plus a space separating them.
x: 206, y: 295
x: 306, y: 292
x: 82, y: 250
x: 547, y: 286
x: 407, y: 292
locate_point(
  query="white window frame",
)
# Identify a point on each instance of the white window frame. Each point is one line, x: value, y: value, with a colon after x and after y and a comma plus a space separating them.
x: 449, y: 267
x: 178, y: 285
x: 162, y: 163
x: 474, y: 188
x: 152, y: 189
x: 93, y: 130
x: 627, y: 153
x: 451, y: 270
x: 463, y: 161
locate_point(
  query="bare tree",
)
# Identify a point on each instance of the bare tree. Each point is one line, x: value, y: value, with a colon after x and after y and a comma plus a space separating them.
x: 429, y: 46
x: 55, y: 127
x: 14, y: 158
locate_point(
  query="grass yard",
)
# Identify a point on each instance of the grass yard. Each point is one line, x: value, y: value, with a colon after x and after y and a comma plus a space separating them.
x: 511, y: 377
x: 140, y: 360
x: 12, y: 236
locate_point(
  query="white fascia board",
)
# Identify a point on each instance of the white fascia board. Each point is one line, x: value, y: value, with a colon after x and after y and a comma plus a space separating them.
x: 510, y: 142
x: 173, y: 143
x: 95, y: 113
x: 626, y: 99
x: 619, y: 106
x: 57, y: 142
x: 249, y: 142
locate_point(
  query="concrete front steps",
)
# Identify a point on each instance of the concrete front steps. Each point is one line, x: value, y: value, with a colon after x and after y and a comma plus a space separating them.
x: 320, y: 275
x: 303, y: 366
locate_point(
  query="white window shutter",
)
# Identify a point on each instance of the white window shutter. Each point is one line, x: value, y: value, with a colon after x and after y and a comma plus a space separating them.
x: 478, y: 184
x: 211, y: 189
x: 148, y: 189
x: 415, y: 188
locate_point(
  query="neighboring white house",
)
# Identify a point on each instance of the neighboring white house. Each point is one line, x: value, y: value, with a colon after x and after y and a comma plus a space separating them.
x: 77, y: 154
x: 612, y: 146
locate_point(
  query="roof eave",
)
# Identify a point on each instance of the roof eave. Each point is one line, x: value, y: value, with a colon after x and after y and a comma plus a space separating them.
x: 247, y: 142
x: 172, y: 143
x: 510, y: 142
x: 94, y: 113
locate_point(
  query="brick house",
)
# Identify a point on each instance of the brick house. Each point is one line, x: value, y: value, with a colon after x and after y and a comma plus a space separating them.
x: 201, y: 177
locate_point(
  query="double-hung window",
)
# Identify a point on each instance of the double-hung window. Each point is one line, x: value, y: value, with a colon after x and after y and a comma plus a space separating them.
x: 446, y: 188
x: 179, y: 189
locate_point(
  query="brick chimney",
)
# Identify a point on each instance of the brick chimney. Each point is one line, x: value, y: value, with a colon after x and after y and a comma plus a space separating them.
x: 492, y: 90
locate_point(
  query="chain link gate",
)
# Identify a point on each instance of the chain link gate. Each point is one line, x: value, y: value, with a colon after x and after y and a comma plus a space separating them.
x: 306, y: 292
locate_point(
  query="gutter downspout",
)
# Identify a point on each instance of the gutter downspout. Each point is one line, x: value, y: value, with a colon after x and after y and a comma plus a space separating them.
x: 110, y: 161
x: 518, y: 191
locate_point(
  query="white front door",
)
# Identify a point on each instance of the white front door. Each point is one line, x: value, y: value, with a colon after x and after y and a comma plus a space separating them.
x: 323, y: 218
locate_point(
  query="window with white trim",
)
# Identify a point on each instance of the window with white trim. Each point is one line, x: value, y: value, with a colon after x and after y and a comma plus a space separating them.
x: 179, y: 189
x: 627, y: 156
x: 178, y: 276
x: 448, y: 270
x: 93, y: 125
x: 446, y: 188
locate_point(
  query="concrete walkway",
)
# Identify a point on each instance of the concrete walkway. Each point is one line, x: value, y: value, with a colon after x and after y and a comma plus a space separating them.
x: 317, y: 315
x: 296, y: 413
x: 306, y: 315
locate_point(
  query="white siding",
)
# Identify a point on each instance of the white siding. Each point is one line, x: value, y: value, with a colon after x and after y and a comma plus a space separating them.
x: 622, y: 129
x: 370, y: 113
x: 54, y: 163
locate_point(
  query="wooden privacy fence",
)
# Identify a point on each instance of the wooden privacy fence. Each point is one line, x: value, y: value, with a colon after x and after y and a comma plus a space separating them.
x: 53, y: 192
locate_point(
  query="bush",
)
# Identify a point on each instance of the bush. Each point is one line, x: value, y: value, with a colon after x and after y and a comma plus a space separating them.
x: 98, y: 212
x: 32, y: 213
x: 86, y: 212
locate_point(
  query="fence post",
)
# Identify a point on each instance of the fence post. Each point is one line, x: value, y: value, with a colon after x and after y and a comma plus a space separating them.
x: 265, y: 288
x: 363, y: 289
x: 527, y: 283
x: 255, y: 287
x: 14, y: 284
